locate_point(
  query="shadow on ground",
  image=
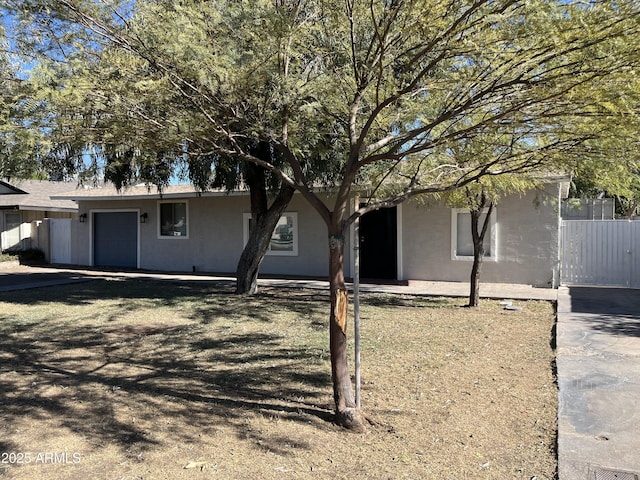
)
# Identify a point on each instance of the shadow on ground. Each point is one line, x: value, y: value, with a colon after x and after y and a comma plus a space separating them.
x: 611, y: 310
x: 91, y: 376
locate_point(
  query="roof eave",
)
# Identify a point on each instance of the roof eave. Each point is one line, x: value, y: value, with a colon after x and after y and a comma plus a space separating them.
x: 147, y: 196
x: 48, y: 208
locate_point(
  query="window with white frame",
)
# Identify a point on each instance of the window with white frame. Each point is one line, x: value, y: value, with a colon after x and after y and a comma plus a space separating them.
x: 11, y: 236
x: 173, y: 219
x: 462, y: 241
x: 284, y: 240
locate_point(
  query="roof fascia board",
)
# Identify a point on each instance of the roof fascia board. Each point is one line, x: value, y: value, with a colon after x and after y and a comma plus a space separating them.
x: 40, y: 208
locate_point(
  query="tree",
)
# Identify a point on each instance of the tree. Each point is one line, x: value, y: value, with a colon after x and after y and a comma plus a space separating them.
x: 478, y: 233
x: 20, y: 119
x: 97, y: 117
x: 264, y: 220
x: 612, y: 170
x: 480, y: 199
x: 223, y: 172
x: 536, y: 156
x: 624, y: 188
x: 609, y: 164
x: 386, y: 83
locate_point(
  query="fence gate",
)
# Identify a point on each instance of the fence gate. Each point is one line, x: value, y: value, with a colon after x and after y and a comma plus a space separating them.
x: 60, y: 240
x: 600, y: 252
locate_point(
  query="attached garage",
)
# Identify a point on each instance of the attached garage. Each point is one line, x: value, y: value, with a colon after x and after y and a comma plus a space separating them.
x: 115, y: 239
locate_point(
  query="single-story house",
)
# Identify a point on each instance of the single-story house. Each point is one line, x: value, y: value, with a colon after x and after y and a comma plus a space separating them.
x: 24, y: 204
x: 183, y: 230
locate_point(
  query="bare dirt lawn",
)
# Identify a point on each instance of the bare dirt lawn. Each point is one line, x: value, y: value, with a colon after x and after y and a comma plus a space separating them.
x: 155, y: 380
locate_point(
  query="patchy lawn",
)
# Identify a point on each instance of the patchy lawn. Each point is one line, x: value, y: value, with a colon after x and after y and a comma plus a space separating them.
x: 153, y: 380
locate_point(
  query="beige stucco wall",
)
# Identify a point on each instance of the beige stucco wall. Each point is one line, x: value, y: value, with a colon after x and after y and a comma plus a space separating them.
x: 527, y: 242
x: 527, y: 239
x: 215, y: 238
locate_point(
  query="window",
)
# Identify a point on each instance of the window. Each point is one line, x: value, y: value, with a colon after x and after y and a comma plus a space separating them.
x: 284, y: 240
x: 461, y: 240
x: 11, y: 237
x: 174, y: 220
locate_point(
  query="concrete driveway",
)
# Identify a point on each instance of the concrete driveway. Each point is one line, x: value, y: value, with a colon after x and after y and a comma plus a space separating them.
x: 598, y: 360
x: 19, y: 277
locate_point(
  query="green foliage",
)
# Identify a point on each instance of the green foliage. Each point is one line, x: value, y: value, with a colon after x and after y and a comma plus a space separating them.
x: 400, y: 97
x: 610, y: 165
x: 19, y: 141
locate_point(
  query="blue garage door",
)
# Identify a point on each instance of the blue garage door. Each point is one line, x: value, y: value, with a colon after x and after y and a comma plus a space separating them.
x: 115, y: 239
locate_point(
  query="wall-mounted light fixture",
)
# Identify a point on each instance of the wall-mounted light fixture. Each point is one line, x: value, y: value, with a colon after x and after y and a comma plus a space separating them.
x: 82, y: 217
x: 143, y: 217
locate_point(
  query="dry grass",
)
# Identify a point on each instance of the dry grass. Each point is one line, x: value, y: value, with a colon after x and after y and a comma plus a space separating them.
x: 139, y: 379
x: 8, y: 257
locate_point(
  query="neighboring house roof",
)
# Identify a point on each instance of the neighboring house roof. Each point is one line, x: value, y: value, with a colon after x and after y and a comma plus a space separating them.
x: 36, y: 195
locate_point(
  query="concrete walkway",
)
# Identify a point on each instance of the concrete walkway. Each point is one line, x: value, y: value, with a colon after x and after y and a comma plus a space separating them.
x: 21, y: 277
x: 598, y: 360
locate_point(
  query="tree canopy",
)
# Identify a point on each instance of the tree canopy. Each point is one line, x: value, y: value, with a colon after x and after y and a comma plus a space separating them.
x: 372, y: 86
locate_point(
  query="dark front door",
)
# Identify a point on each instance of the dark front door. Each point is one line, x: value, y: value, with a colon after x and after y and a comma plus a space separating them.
x: 378, y: 244
x: 115, y: 239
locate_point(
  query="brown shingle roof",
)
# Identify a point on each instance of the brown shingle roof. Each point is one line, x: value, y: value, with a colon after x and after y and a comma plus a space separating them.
x: 36, y: 195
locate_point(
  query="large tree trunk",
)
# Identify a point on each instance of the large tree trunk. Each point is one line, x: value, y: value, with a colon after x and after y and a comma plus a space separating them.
x: 264, y: 221
x: 478, y: 234
x: 346, y: 415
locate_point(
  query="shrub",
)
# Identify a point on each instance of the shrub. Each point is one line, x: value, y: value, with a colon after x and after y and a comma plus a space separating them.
x: 32, y: 255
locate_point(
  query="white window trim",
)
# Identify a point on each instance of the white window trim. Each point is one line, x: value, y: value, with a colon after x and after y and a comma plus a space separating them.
x: 493, y: 240
x: 159, y: 217
x: 274, y: 253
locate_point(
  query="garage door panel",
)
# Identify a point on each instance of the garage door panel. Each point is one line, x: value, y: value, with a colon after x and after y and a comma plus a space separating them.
x: 115, y: 239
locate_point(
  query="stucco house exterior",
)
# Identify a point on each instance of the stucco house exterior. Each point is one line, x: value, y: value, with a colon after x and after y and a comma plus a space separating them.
x: 182, y: 230
x: 24, y: 205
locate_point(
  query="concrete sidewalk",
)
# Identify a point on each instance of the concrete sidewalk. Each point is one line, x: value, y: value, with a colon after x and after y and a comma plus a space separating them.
x: 598, y: 361
x: 21, y: 277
